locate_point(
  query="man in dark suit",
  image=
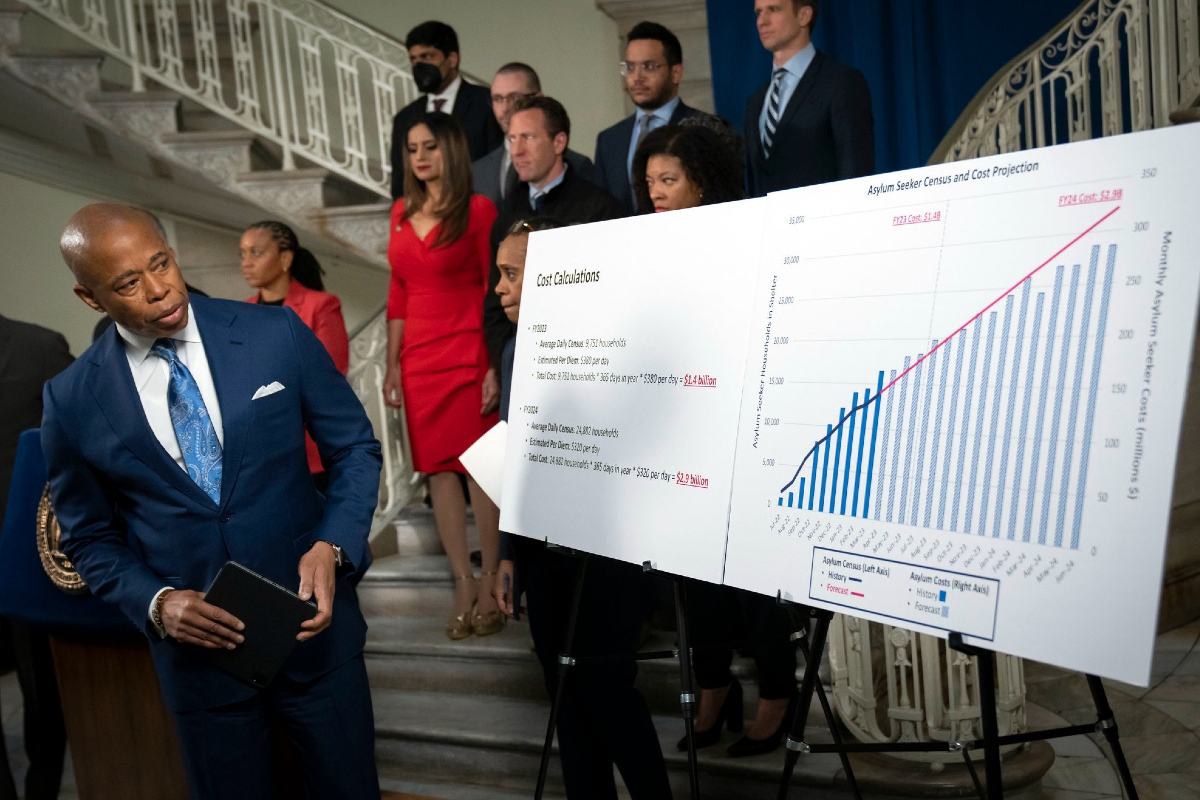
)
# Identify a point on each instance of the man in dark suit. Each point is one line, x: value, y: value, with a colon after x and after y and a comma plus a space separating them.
x: 433, y: 54
x: 538, y: 133
x: 29, y: 356
x: 653, y: 69
x: 493, y: 175
x: 811, y: 123
x: 175, y: 444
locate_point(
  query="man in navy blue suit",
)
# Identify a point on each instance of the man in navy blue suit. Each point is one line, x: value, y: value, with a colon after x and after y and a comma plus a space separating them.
x: 811, y: 122
x: 175, y: 444
x: 653, y: 70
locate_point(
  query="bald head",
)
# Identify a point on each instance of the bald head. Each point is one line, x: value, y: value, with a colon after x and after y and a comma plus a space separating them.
x: 90, y: 222
x: 123, y: 266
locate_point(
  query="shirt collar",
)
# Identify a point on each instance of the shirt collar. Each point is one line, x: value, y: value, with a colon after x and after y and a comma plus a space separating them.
x: 137, y: 347
x: 663, y: 112
x: 550, y: 186
x: 450, y: 93
x: 797, y: 65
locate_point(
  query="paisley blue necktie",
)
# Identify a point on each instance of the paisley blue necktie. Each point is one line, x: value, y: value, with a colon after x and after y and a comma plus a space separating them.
x: 193, y: 427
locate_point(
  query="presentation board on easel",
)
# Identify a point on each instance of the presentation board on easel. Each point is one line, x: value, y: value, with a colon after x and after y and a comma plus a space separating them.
x: 947, y: 399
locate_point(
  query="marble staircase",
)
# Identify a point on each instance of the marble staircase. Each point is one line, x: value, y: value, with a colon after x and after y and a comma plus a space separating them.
x: 184, y: 135
x: 471, y: 715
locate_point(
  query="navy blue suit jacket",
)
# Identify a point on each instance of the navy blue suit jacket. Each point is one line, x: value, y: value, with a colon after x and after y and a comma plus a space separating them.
x: 612, y: 156
x: 826, y: 132
x: 133, y: 521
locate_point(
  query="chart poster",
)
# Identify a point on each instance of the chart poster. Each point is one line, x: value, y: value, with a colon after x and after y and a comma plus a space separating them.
x: 629, y: 362
x: 966, y: 386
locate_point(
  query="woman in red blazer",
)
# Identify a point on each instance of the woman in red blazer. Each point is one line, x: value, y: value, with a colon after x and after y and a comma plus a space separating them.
x: 287, y: 274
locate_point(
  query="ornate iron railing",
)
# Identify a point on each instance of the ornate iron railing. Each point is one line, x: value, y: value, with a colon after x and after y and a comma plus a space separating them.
x: 316, y: 83
x: 1113, y: 66
x: 368, y: 362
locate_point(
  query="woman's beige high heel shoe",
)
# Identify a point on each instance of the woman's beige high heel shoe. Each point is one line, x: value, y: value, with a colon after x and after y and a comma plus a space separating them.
x: 459, y: 627
x: 489, y: 623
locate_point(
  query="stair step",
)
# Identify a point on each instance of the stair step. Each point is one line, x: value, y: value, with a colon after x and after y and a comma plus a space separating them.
x: 363, y: 226
x: 299, y: 192
x: 66, y: 77
x: 219, y: 155
x: 147, y: 115
x: 497, y: 741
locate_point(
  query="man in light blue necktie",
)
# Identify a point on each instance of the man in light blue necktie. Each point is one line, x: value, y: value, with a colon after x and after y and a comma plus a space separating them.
x: 176, y: 443
x: 652, y: 71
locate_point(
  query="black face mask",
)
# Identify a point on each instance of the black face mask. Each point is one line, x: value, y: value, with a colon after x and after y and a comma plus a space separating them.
x: 427, y: 77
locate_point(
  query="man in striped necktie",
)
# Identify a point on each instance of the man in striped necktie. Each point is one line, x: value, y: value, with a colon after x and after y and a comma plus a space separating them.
x: 811, y: 122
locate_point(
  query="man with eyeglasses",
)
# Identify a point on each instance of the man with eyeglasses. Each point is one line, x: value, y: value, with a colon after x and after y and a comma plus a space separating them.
x: 433, y: 54
x: 494, y: 175
x: 653, y: 69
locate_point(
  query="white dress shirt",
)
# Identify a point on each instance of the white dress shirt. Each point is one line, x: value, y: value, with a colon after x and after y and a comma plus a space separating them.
x: 449, y: 95
x: 151, y: 375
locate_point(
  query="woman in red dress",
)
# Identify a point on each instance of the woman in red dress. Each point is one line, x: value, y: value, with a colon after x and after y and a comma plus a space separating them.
x: 437, y: 362
x: 286, y: 274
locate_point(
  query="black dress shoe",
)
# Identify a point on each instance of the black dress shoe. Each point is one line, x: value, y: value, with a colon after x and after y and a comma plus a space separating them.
x: 746, y: 746
x: 730, y: 716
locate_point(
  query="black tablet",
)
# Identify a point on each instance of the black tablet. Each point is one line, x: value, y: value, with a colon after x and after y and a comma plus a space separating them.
x: 272, y: 615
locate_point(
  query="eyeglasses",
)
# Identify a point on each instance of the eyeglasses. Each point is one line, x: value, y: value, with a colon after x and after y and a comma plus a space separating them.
x: 510, y: 99
x: 648, y: 67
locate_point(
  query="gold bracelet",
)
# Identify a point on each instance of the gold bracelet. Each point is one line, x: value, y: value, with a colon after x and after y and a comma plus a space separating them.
x: 156, y: 615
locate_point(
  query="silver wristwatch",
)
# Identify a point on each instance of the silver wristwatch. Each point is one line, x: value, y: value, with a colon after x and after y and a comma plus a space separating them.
x: 339, y: 557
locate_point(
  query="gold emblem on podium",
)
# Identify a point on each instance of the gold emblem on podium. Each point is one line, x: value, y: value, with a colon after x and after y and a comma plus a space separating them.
x: 60, y: 569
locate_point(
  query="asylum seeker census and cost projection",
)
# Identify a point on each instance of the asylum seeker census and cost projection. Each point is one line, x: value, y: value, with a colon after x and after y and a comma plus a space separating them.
x: 949, y: 399
x: 967, y: 405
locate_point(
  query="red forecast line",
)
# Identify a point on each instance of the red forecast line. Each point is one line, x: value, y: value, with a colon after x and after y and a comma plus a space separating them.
x: 834, y: 429
x: 1003, y: 295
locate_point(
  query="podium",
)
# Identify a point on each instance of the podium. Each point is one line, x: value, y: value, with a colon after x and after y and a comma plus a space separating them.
x: 122, y: 736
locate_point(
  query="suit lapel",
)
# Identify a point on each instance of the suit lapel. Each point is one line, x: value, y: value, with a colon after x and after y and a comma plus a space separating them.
x: 117, y: 397
x: 681, y: 113
x: 223, y: 344
x: 802, y: 89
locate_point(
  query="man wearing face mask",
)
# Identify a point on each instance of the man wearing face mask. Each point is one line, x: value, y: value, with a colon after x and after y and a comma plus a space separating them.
x: 433, y: 53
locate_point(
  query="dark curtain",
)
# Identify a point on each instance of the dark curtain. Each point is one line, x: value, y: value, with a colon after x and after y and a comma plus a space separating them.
x: 923, y: 59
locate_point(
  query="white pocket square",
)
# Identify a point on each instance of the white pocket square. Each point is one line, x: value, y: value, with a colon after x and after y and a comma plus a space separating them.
x: 270, y: 388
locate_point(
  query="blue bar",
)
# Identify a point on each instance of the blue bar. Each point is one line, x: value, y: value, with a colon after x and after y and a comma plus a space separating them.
x: 924, y: 434
x: 1024, y: 421
x: 1051, y: 327
x: 1076, y: 387
x: 781, y: 501
x: 973, y: 476
x: 958, y: 359
x: 791, y: 496
x: 871, y: 459
x: 837, y: 460
x: 937, y: 432
x: 812, y: 483
x: 849, y: 451
x: 912, y: 435
x: 887, y: 428
x: 1056, y: 413
x: 977, y: 334
x: 800, y: 494
x: 862, y: 439
x: 1089, y: 416
x: 1018, y: 348
x: 825, y: 465
x: 997, y: 396
x: 899, y: 435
